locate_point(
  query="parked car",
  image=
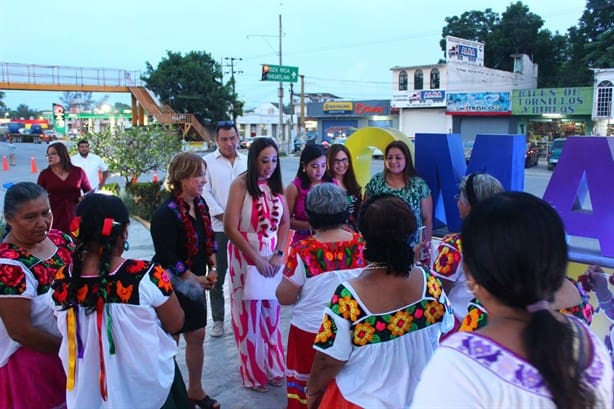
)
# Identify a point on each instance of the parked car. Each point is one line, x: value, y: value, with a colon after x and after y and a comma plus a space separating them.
x: 48, y: 135
x: 554, y: 152
x: 246, y: 142
x: 531, y: 156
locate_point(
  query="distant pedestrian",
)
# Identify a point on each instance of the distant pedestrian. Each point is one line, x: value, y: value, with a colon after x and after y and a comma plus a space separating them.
x: 223, y: 165
x: 65, y: 184
x: 91, y: 164
x: 12, y: 150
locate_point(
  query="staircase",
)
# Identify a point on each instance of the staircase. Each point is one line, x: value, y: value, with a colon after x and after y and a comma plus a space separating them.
x: 167, y: 115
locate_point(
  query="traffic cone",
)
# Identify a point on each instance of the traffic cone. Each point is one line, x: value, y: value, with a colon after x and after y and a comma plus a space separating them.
x: 5, y: 163
x: 34, y: 167
x: 155, y: 176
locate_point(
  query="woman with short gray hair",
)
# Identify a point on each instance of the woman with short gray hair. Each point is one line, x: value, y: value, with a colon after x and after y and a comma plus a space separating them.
x: 316, y: 266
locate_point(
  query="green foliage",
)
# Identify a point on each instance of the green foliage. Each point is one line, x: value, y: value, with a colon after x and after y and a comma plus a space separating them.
x: 518, y: 30
x: 111, y: 188
x: 81, y: 100
x: 192, y: 84
x: 142, y: 199
x: 24, y: 111
x: 134, y: 151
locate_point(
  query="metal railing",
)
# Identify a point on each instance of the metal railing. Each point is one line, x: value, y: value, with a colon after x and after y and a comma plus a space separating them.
x: 62, y: 75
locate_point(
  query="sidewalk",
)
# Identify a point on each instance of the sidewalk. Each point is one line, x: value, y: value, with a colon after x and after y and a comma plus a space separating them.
x: 221, y: 378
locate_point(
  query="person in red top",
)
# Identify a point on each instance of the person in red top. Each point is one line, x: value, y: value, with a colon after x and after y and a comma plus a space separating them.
x: 65, y: 184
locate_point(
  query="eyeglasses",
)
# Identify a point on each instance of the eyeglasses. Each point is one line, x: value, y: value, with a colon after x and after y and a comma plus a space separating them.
x: 225, y: 124
x: 340, y: 161
x: 51, y: 154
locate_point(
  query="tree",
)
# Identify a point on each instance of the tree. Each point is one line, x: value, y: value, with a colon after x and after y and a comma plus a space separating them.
x: 24, y: 111
x: 134, y: 151
x: 81, y: 101
x: 192, y: 84
x: 516, y: 31
x: 591, y: 43
x: 2, y: 105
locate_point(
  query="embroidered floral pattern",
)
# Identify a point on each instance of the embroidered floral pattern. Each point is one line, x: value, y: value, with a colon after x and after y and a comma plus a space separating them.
x: 13, y: 278
x: 160, y: 278
x: 122, y: 287
x: 181, y: 209
x: 318, y: 258
x: 477, y: 316
x: 326, y: 335
x: 370, y: 329
x: 448, y: 256
x: 506, y: 366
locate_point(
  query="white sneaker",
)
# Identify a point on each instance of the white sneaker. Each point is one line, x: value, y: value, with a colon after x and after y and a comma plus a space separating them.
x: 218, y: 329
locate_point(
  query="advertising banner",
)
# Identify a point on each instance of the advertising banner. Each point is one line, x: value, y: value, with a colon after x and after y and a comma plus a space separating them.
x: 419, y: 99
x: 479, y: 103
x: 59, y: 122
x: 464, y: 51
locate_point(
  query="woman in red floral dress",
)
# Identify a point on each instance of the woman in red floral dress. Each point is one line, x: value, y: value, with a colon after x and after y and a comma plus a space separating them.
x: 316, y: 266
x: 31, y: 374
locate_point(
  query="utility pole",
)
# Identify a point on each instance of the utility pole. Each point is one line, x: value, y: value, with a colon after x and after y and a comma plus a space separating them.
x: 281, y: 92
x: 232, y: 82
x: 302, y: 120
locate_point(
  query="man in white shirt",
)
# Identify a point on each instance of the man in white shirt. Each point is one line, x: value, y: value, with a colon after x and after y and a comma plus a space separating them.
x: 223, y: 166
x: 91, y: 164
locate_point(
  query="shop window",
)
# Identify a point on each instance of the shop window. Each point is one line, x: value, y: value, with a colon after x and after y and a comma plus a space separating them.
x: 403, y: 81
x: 434, y: 78
x: 418, y: 79
x: 604, y: 99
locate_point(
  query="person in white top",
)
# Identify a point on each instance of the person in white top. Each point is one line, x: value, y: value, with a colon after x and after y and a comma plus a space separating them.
x: 91, y: 164
x: 527, y: 356
x: 223, y: 166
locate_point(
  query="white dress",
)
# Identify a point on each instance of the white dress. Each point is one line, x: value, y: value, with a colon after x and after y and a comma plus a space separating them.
x: 384, y: 353
x: 140, y: 370
x: 473, y: 371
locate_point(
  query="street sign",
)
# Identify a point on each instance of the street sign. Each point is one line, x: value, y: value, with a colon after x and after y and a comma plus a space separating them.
x: 279, y: 73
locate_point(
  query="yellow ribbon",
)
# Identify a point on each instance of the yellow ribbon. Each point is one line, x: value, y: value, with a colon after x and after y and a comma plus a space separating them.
x: 71, y: 323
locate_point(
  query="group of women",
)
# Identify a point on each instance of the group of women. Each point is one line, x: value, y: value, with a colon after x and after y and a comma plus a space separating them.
x: 360, y: 299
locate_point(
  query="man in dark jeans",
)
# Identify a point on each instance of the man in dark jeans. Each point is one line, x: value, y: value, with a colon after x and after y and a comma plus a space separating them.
x: 223, y: 166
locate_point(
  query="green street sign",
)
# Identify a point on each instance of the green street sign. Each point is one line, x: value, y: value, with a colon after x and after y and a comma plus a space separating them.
x: 279, y: 73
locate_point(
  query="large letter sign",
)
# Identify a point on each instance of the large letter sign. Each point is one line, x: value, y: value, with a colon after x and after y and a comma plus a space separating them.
x: 440, y: 160
x: 586, y: 167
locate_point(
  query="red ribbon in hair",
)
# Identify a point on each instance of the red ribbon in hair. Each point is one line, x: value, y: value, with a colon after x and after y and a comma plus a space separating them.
x: 107, y: 225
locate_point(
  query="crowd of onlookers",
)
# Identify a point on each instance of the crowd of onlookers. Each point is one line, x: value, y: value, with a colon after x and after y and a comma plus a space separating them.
x: 384, y: 315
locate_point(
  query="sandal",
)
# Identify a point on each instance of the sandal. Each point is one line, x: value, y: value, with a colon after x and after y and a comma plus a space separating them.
x: 276, y: 382
x: 259, y: 388
x: 205, y: 403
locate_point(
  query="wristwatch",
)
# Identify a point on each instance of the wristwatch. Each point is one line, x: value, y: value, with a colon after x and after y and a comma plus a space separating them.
x: 279, y: 253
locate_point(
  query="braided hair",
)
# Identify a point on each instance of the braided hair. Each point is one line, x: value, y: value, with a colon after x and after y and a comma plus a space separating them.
x: 100, y: 222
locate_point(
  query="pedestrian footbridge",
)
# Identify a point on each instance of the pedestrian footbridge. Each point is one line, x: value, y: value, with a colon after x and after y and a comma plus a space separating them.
x: 31, y: 77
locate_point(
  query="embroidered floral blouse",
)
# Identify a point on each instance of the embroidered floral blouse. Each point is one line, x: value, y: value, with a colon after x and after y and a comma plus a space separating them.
x: 371, y: 343
x: 318, y: 268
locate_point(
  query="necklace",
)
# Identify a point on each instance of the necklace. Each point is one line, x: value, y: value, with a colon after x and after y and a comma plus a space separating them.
x: 182, y: 211
x: 375, y: 266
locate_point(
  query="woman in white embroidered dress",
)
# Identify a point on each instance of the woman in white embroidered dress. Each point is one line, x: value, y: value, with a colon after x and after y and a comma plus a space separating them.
x: 381, y: 328
x: 257, y: 225
x: 115, y: 316
x: 527, y: 356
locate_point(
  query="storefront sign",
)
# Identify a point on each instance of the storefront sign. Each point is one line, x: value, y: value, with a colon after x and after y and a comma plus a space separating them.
x: 419, y: 99
x: 479, y: 103
x: 364, y: 109
x: 563, y: 101
x: 336, y: 107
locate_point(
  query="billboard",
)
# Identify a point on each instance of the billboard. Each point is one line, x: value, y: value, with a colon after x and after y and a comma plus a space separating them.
x: 432, y: 98
x: 564, y: 101
x: 465, y: 51
x: 479, y: 103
